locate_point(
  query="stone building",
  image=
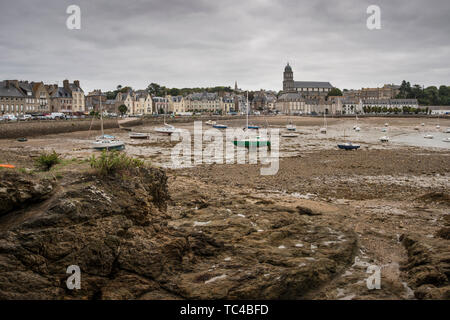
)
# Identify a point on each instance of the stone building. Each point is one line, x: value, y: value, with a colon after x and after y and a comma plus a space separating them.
x: 203, y: 102
x: 303, y: 97
x: 37, y: 98
x: 309, y: 89
x: 176, y: 104
x: 93, y: 101
x: 161, y: 105
x: 67, y: 99
x: 12, y: 99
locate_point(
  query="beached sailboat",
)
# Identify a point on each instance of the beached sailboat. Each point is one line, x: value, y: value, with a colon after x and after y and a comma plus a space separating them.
x: 324, y: 128
x: 210, y: 123
x: 348, y: 145
x: 220, y: 126
x: 251, y: 142
x: 447, y: 130
x: 429, y: 136
x: 291, y: 127
x: 106, y: 142
x: 250, y: 126
x: 446, y: 139
x: 356, y: 128
x: 167, y: 129
x: 384, y: 139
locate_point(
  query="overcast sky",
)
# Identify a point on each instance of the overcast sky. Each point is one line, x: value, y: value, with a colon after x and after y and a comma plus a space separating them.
x: 190, y: 43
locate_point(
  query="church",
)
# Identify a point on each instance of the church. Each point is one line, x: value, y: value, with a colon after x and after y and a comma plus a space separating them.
x: 302, y: 97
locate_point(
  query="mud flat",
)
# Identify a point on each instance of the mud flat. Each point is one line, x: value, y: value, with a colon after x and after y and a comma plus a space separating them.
x: 224, y: 231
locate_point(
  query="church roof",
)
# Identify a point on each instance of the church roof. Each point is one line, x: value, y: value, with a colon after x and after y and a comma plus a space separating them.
x: 312, y: 84
x: 290, y: 96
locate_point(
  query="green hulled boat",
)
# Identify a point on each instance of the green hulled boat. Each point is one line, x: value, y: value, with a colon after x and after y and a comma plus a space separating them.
x: 252, y: 143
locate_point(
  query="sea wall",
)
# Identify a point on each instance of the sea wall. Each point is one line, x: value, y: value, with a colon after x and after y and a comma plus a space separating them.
x: 13, y: 130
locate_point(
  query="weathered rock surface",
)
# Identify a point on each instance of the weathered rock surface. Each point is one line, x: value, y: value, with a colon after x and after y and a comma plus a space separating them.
x: 428, y: 267
x: 129, y: 245
x: 18, y: 190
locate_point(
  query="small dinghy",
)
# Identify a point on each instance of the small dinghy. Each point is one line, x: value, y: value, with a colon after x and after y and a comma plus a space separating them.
x: 108, y: 145
x: 220, y: 126
x: 348, y: 146
x: 384, y: 139
x: 253, y: 127
x: 438, y: 126
x: 291, y: 127
x: 429, y: 136
x: 22, y: 139
x: 422, y: 124
x: 289, y: 135
x: 416, y: 128
x: 386, y: 124
x: 210, y: 123
x: 446, y: 139
x: 138, y: 135
x: 357, y: 129
x: 383, y: 130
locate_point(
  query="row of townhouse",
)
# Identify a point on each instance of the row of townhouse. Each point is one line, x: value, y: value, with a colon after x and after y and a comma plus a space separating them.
x: 23, y: 97
x: 352, y: 105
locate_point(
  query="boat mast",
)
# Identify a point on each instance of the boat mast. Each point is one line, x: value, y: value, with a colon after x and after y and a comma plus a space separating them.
x: 248, y: 107
x: 101, y: 113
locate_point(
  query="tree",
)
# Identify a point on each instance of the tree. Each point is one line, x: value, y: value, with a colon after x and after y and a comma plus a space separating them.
x: 123, y: 109
x: 156, y: 90
x: 334, y: 92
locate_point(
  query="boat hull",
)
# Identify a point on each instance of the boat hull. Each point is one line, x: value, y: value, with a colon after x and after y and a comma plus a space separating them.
x: 348, y: 147
x: 109, y: 148
x: 219, y: 126
x: 250, y: 143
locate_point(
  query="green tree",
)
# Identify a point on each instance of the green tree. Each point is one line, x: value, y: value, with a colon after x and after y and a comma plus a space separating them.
x: 334, y: 92
x: 123, y: 109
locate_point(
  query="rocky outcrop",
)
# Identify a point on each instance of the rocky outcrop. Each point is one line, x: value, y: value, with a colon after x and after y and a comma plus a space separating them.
x: 130, y: 245
x: 18, y: 190
x: 428, y: 267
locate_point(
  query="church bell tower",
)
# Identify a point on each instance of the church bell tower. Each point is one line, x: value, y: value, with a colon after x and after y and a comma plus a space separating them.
x: 288, y: 79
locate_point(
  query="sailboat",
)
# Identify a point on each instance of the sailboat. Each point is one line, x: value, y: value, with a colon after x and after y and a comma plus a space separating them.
x: 348, y: 145
x: 355, y: 127
x: 106, y: 142
x: 249, y: 126
x: 220, y: 126
x: 167, y: 129
x: 210, y: 123
x: 251, y: 142
x: 324, y: 128
x: 291, y: 127
x: 438, y: 126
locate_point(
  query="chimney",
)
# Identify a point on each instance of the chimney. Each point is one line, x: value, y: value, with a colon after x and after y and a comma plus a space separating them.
x: 66, y: 84
x: 77, y: 83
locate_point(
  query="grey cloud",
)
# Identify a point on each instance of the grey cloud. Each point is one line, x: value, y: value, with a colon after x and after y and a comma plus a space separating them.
x: 187, y: 43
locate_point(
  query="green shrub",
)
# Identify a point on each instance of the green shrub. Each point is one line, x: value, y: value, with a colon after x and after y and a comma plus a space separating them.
x: 113, y: 161
x: 47, y: 160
